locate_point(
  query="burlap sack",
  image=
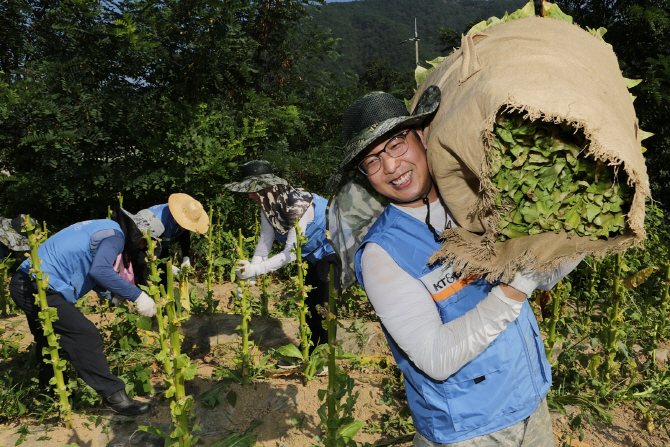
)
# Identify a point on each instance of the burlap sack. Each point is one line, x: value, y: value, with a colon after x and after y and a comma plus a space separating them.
x: 550, y: 70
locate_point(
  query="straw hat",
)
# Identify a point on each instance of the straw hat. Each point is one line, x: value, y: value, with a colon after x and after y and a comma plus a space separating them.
x: 188, y: 213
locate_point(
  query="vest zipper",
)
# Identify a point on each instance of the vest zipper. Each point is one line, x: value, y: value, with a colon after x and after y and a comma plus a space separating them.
x: 530, y: 366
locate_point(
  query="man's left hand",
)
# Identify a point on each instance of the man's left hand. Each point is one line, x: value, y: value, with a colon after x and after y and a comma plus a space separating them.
x: 186, y: 262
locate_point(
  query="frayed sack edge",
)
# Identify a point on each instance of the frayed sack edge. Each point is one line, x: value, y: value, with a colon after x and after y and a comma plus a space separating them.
x: 477, y: 258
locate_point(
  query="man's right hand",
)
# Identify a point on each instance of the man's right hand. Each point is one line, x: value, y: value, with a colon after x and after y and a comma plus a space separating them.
x: 145, y: 305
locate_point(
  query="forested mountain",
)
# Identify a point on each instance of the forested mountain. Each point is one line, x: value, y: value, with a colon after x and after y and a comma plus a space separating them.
x: 374, y: 28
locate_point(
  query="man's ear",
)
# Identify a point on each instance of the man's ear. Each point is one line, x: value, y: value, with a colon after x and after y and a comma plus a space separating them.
x: 419, y: 132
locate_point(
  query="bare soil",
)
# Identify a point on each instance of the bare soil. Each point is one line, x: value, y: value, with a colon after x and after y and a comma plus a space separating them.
x: 287, y: 408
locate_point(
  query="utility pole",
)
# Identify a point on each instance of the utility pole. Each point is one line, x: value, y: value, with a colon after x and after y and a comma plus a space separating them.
x: 416, y: 40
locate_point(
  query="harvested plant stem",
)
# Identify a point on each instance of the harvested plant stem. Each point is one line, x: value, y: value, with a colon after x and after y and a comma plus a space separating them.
x: 47, y: 316
x: 155, y: 294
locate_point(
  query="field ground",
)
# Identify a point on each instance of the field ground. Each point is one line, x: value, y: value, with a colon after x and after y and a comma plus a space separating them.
x: 287, y: 408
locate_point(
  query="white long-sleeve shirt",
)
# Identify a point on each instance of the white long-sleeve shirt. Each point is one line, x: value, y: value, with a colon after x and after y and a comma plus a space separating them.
x: 260, y: 259
x: 410, y: 315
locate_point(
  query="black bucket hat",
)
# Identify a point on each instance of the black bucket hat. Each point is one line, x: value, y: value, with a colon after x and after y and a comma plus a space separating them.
x: 256, y: 175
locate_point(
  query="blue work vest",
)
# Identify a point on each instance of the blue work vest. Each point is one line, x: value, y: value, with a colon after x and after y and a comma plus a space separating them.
x: 172, y: 230
x: 317, y: 246
x: 496, y: 389
x: 67, y: 256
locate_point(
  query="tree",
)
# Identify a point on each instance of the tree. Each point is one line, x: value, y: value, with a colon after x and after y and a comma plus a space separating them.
x: 147, y: 98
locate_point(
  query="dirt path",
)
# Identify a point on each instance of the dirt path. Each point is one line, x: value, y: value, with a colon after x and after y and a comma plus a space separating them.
x: 287, y: 409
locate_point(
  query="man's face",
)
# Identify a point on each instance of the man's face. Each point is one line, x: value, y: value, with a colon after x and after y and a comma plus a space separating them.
x: 405, y: 179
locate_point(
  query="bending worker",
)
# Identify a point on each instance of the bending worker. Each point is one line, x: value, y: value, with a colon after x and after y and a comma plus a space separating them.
x: 280, y: 205
x: 181, y: 215
x: 471, y: 353
x: 78, y: 259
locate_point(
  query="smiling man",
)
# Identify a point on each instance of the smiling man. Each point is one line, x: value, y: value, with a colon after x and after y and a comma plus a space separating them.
x: 470, y: 350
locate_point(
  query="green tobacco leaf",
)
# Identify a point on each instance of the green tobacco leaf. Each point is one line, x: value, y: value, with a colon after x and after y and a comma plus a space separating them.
x: 478, y: 27
x: 630, y: 83
x: 152, y: 430
x: 552, y: 10
x: 435, y: 62
x: 143, y: 323
x: 644, y: 134
x: 638, y: 278
x: 235, y: 440
x: 231, y: 398
x: 289, y: 351
x: 348, y: 431
x: 420, y: 74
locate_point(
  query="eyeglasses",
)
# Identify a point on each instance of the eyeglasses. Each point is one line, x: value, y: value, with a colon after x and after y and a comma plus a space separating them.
x: 395, y: 147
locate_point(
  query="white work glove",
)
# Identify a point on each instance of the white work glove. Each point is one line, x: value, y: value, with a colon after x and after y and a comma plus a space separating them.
x: 526, y: 281
x: 245, y: 270
x: 117, y: 300
x: 561, y: 272
x: 175, y: 270
x: 186, y: 262
x: 240, y: 295
x: 145, y: 305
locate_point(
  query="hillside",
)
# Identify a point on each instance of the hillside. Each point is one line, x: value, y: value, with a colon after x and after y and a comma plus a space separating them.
x: 374, y: 28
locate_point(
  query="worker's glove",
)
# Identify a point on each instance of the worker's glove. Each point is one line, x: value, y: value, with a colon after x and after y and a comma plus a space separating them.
x: 240, y: 295
x: 561, y: 272
x: 105, y: 295
x: 186, y: 262
x: 145, y: 305
x: 175, y: 270
x: 526, y: 281
x: 118, y: 300
x: 245, y: 270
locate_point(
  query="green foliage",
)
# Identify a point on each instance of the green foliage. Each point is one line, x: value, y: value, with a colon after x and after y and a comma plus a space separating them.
x: 150, y: 98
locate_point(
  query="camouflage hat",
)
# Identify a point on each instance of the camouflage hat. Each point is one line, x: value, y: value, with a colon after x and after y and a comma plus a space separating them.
x: 10, y: 233
x: 257, y: 175
x: 376, y: 114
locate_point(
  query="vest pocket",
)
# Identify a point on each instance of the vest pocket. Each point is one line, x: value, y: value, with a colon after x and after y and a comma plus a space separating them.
x: 542, y: 362
x: 484, y: 389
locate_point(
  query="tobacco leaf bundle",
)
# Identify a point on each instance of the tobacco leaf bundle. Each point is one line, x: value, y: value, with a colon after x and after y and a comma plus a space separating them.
x: 547, y: 182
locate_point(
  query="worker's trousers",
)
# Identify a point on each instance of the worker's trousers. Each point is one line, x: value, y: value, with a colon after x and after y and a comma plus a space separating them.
x: 79, y: 337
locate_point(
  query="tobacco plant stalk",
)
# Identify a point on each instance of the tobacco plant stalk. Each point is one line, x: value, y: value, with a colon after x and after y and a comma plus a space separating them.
x: 664, y: 305
x: 219, y: 268
x: 245, y: 313
x: 556, y: 300
x: 302, y: 309
x: 184, y: 297
x: 47, y: 316
x: 5, y: 304
x: 210, y: 264
x: 155, y: 294
x: 180, y: 364
x: 265, y: 281
x: 333, y: 416
x: 613, y: 318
